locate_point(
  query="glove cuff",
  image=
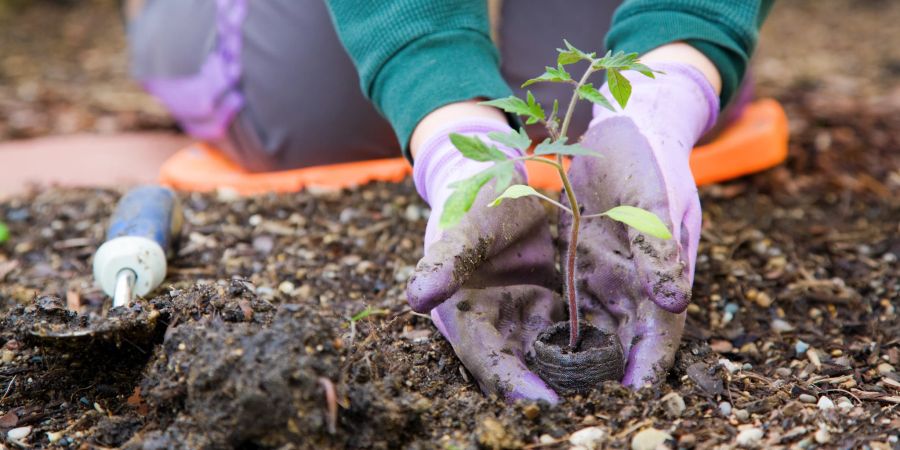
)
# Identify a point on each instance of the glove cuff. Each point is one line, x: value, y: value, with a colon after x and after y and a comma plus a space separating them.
x: 438, y: 163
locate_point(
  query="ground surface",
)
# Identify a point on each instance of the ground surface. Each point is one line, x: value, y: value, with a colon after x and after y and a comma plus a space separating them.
x: 254, y: 322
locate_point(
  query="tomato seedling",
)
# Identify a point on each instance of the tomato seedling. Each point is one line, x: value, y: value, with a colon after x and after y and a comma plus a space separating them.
x: 552, y: 151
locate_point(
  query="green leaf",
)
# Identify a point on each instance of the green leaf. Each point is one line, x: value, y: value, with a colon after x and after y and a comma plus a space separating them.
x: 572, y: 55
x: 560, y: 148
x: 619, y: 86
x: 514, y: 191
x: 640, y: 219
x: 512, y: 139
x: 619, y: 61
x: 476, y: 150
x: 589, y: 92
x: 551, y: 75
x: 515, y: 105
x: 366, y: 313
x: 646, y: 71
x: 4, y: 233
x: 465, y: 191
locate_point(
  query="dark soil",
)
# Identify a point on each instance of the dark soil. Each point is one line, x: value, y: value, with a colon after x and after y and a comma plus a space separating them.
x: 257, y: 306
x: 597, y: 357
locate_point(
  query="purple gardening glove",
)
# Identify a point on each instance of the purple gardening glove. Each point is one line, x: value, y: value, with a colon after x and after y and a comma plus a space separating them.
x: 488, y: 281
x: 635, y: 285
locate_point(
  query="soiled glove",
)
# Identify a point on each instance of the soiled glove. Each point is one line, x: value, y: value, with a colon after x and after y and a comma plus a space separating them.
x: 489, y: 282
x: 635, y: 285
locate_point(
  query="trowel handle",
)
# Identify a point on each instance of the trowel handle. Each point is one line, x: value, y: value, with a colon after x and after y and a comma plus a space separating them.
x: 141, y: 233
x: 151, y: 212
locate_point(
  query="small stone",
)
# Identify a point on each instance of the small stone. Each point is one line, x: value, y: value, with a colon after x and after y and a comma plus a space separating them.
x: 649, y: 439
x: 783, y: 372
x: 749, y: 438
x: 590, y: 438
x: 781, y: 326
x: 531, y: 411
x: 794, y: 433
x: 693, y: 309
x: 54, y: 436
x: 822, y: 436
x: 546, y: 439
x: 741, y: 414
x: 589, y: 419
x: 8, y: 356
x: 255, y: 220
x: 747, y: 366
x: 725, y: 409
x: 286, y: 287
x: 687, y: 441
x: 825, y: 403
x: 674, y: 405
x: 403, y: 273
x: 412, y: 213
x: 720, y: 346
x: 844, y: 403
x: 763, y: 300
x: 17, y: 434
x: 885, y: 368
x: 800, y: 347
x: 806, y: 398
x: 728, y: 365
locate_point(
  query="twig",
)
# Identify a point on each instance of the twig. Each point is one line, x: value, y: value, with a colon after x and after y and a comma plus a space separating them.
x: 331, y: 402
x: 8, y: 387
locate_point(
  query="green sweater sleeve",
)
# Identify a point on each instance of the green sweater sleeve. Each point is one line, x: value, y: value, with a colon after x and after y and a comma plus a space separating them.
x: 726, y: 31
x: 414, y: 56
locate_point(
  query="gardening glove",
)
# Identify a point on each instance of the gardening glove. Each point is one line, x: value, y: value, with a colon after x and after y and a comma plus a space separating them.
x: 489, y: 280
x: 628, y: 283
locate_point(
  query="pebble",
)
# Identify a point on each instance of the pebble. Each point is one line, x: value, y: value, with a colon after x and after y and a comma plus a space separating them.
x: 825, y: 403
x: 286, y: 287
x: 800, y: 347
x: 741, y: 414
x: 531, y: 411
x: 806, y: 398
x: 17, y: 434
x: 54, y: 436
x: 885, y: 368
x: 781, y: 326
x: 720, y: 346
x: 725, y: 409
x: 687, y: 441
x: 728, y: 365
x: 749, y: 437
x: 412, y: 213
x: 783, y: 372
x: 763, y: 300
x: 844, y: 403
x: 822, y: 436
x: 8, y: 356
x: 649, y: 439
x: 403, y: 273
x: 546, y: 439
x: 747, y: 366
x: 590, y: 438
x: 673, y: 404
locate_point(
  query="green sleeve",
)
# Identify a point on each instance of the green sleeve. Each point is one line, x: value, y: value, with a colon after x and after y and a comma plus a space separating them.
x: 414, y: 56
x: 726, y: 31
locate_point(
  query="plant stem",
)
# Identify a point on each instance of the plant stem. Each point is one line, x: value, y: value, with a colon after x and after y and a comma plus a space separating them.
x: 572, y: 252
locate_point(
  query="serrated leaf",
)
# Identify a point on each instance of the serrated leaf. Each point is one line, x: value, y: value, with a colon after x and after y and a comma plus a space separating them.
x: 589, y: 92
x: 518, y: 140
x: 643, y: 69
x: 572, y: 55
x: 473, y: 148
x: 620, y: 61
x: 465, y: 191
x: 460, y: 201
x: 619, y: 86
x: 551, y: 75
x: 514, y: 191
x: 640, y: 219
x: 514, y: 105
x: 561, y: 148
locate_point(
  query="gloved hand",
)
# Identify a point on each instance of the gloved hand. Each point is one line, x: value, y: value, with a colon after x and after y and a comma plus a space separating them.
x: 490, y: 281
x: 635, y: 285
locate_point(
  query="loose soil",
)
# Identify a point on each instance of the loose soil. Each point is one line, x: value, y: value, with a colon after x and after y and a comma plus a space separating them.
x: 257, y: 330
x: 255, y: 347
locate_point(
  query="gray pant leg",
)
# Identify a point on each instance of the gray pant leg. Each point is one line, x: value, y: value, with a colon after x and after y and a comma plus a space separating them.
x: 303, y: 105
x: 530, y: 33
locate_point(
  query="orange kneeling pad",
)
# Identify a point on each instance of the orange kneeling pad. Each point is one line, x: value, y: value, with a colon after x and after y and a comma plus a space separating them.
x: 756, y: 141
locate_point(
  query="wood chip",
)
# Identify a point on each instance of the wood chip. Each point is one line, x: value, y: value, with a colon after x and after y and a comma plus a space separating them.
x: 891, y: 382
